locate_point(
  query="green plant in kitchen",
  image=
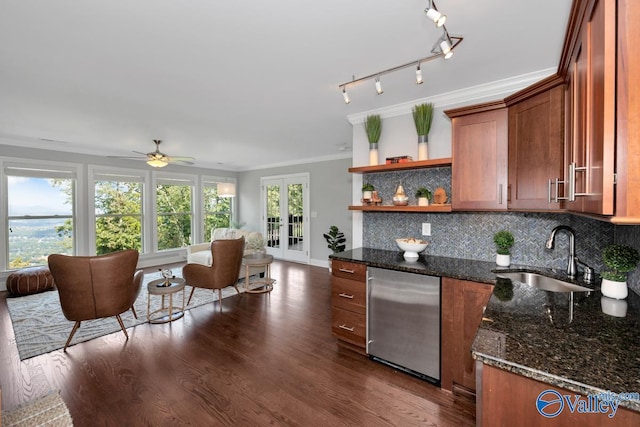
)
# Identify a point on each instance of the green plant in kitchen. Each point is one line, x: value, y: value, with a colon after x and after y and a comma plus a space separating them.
x: 373, y: 127
x: 367, y: 187
x: 335, y: 239
x: 504, y: 241
x: 423, y: 192
x: 422, y: 117
x: 620, y: 260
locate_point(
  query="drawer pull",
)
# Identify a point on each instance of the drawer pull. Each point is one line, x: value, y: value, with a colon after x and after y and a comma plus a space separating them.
x: 346, y: 328
x: 344, y: 270
x: 346, y: 296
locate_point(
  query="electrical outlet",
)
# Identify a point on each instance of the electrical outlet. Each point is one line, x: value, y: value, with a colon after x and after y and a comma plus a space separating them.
x: 426, y: 229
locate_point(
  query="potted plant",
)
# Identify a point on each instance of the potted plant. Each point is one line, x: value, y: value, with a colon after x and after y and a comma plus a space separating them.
x: 424, y: 195
x: 503, y: 240
x: 257, y: 244
x: 336, y: 241
x: 422, y: 117
x: 366, y: 193
x: 620, y: 260
x: 373, y: 128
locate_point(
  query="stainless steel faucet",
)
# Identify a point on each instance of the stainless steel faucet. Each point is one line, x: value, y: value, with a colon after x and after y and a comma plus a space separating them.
x: 572, y: 265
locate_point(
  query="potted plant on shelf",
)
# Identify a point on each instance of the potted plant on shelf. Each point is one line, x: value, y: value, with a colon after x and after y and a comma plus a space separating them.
x: 620, y: 260
x: 336, y: 241
x: 373, y: 128
x: 504, y: 241
x: 424, y: 195
x: 422, y: 117
x: 367, y: 190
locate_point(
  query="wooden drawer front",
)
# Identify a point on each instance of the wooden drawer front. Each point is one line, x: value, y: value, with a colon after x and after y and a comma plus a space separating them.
x: 349, y: 295
x: 349, y: 326
x: 349, y: 270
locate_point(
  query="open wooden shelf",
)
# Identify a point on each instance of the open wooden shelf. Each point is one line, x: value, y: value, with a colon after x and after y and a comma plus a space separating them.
x: 409, y: 208
x: 421, y: 164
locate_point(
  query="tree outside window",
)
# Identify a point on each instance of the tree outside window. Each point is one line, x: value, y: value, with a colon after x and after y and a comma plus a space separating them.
x: 217, y: 210
x: 118, y: 210
x: 174, y: 210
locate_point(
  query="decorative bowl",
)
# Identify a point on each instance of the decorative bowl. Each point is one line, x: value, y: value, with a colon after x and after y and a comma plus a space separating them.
x: 411, y: 247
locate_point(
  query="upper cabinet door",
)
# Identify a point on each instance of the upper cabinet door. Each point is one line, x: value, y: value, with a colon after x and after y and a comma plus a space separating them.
x: 479, y: 159
x: 536, y: 149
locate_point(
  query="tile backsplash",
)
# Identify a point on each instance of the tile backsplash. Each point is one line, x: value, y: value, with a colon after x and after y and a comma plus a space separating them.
x: 469, y: 235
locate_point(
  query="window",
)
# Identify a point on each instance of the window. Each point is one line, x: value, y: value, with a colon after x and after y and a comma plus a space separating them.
x: 174, y: 210
x: 40, y: 215
x: 217, y: 210
x: 118, y: 212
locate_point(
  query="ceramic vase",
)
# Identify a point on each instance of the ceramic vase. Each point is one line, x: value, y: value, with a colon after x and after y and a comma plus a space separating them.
x: 373, y: 154
x: 503, y: 260
x: 613, y: 307
x: 613, y: 289
x: 400, y: 198
x: 423, y: 148
x: 423, y: 201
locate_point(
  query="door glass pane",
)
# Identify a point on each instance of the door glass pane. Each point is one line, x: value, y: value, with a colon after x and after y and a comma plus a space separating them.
x: 295, y: 210
x: 273, y: 216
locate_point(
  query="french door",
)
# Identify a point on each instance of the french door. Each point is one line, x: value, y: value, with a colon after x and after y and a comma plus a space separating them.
x: 285, y: 224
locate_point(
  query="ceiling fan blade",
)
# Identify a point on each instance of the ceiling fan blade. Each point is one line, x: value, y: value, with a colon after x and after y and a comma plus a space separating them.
x: 181, y: 160
x: 128, y: 157
x: 140, y: 152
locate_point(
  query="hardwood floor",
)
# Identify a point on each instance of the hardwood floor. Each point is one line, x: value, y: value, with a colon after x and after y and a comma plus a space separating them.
x: 266, y: 359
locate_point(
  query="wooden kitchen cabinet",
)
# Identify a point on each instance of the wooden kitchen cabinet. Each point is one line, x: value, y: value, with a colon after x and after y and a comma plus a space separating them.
x: 479, y: 157
x: 463, y: 304
x: 349, y: 304
x: 603, y: 126
x: 506, y: 399
x: 536, y: 144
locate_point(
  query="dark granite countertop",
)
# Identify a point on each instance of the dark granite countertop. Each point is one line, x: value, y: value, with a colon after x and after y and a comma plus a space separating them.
x: 531, y: 332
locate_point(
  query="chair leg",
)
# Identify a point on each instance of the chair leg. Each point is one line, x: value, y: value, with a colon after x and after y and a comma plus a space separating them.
x: 73, y: 331
x: 133, y: 310
x: 122, y: 325
x: 220, y: 299
x: 193, y: 289
x: 237, y: 290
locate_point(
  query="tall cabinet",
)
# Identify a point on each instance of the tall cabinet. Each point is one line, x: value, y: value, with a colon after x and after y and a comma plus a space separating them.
x: 603, y: 110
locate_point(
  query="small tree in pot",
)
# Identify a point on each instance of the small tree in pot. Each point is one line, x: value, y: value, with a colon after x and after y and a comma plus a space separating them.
x: 620, y: 260
x: 336, y: 241
x: 422, y: 117
x: 373, y: 128
x: 504, y: 241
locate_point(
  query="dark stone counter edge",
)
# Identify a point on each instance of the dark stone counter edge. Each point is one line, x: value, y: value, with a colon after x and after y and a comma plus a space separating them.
x: 550, y: 379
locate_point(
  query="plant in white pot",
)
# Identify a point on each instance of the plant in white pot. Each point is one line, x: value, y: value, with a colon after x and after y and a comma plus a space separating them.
x: 373, y: 128
x: 422, y: 117
x: 620, y: 260
x: 504, y: 241
x: 366, y: 192
x: 424, y: 195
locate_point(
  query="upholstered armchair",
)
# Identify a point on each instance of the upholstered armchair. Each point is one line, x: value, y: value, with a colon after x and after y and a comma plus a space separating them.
x: 94, y: 287
x: 223, y: 272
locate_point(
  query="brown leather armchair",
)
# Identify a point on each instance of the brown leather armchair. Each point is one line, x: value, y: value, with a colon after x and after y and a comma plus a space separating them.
x: 227, y: 261
x: 93, y: 287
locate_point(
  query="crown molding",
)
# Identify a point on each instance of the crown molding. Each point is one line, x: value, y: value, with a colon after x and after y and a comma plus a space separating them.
x: 345, y: 155
x: 495, y: 89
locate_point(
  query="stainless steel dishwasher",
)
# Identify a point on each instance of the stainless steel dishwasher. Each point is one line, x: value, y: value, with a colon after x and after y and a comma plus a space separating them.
x: 403, y: 321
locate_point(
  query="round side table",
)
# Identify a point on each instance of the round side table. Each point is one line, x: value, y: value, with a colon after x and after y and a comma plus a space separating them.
x: 170, y: 313
x: 266, y: 282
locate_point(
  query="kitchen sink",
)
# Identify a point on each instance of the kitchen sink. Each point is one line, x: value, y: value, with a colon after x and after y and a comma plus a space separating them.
x: 543, y: 282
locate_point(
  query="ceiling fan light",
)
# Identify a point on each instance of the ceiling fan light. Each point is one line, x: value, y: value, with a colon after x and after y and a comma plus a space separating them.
x: 157, y: 163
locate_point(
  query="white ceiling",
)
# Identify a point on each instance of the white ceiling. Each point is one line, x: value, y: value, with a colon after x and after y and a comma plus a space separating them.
x: 243, y: 84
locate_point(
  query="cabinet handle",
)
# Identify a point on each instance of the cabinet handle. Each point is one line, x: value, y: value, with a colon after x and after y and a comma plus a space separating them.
x: 344, y: 270
x: 346, y: 328
x: 346, y: 296
x: 549, y: 191
x: 500, y: 194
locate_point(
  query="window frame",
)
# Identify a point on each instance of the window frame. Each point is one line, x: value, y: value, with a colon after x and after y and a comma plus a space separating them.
x: 209, y: 181
x: 172, y: 179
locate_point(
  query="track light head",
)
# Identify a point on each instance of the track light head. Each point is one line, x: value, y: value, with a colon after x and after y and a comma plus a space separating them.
x: 345, y: 95
x: 379, y: 86
x: 438, y: 18
x: 419, y: 80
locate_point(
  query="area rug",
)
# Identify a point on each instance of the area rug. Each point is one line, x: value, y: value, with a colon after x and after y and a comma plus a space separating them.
x: 49, y: 410
x: 40, y: 327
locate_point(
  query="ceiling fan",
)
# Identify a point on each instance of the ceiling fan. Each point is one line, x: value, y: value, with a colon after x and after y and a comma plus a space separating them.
x: 158, y: 159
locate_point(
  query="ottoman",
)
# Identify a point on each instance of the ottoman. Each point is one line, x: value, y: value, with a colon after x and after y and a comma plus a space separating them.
x: 29, y: 281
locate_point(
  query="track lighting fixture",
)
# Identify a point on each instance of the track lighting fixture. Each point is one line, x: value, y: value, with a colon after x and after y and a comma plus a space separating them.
x: 419, y: 80
x: 443, y: 47
x: 345, y: 95
x: 379, y: 86
x: 432, y: 13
